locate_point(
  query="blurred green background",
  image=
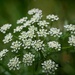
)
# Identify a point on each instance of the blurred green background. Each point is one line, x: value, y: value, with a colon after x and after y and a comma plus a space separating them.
x: 12, y: 10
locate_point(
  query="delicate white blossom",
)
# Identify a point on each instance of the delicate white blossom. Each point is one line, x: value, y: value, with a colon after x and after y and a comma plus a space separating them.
x: 32, y: 28
x: 36, y: 18
x: 7, y: 38
x: 52, y: 17
x: 70, y: 28
x: 43, y: 23
x: 27, y: 43
x: 31, y: 34
x: 55, y: 32
x: 42, y: 32
x: 18, y: 29
x: 49, y: 66
x: 3, y: 53
x: 23, y: 35
x: 14, y: 63
x: 72, y: 40
x: 28, y: 59
x: 38, y: 45
x: 37, y: 15
x: 55, y: 45
x: 27, y: 23
x: 15, y: 46
x: 34, y: 11
x: 5, y: 27
x: 22, y: 20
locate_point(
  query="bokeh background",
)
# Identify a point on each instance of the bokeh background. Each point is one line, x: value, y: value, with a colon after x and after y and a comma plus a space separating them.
x: 12, y: 10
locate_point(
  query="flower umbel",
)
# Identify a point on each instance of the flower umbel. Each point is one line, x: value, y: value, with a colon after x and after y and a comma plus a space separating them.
x: 28, y: 59
x: 70, y: 28
x: 14, y: 63
x: 72, y: 40
x: 55, y: 45
x: 38, y: 45
x: 5, y: 27
x: 52, y: 17
x: 7, y: 38
x: 49, y: 66
x: 55, y: 32
x: 3, y: 53
x: 16, y: 46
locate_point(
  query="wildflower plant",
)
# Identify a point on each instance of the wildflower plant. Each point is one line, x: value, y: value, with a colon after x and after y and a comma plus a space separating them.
x: 35, y: 43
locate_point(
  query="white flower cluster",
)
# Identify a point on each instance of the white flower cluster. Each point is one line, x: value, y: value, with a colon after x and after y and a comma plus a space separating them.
x: 42, y: 32
x: 55, y: 32
x: 22, y: 20
x: 38, y: 45
x: 70, y: 28
x: 49, y: 66
x: 55, y: 45
x: 5, y: 27
x: 27, y: 43
x: 72, y: 40
x: 52, y: 17
x: 18, y: 29
x: 30, y: 36
x: 34, y: 11
x: 27, y: 23
x: 28, y: 59
x: 43, y: 23
x: 24, y: 35
x: 14, y: 63
x: 16, y: 46
x: 7, y: 38
x: 32, y: 28
x: 37, y: 15
x: 3, y: 53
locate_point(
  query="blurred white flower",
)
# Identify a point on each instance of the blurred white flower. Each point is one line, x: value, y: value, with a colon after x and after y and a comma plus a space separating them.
x: 52, y: 17
x: 14, y: 63
x: 42, y: 32
x: 55, y: 32
x: 27, y: 23
x: 31, y: 34
x: 38, y: 45
x: 28, y: 59
x: 15, y: 46
x: 22, y: 20
x: 49, y: 66
x: 70, y: 28
x: 18, y: 29
x: 72, y: 40
x: 5, y: 27
x: 32, y: 28
x: 27, y: 43
x: 7, y: 38
x: 43, y: 23
x: 23, y: 35
x: 3, y: 53
x: 34, y: 11
x: 55, y: 45
x: 36, y: 18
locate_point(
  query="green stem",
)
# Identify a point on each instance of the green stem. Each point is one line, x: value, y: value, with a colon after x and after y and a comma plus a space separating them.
x: 15, y: 36
x: 66, y: 47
